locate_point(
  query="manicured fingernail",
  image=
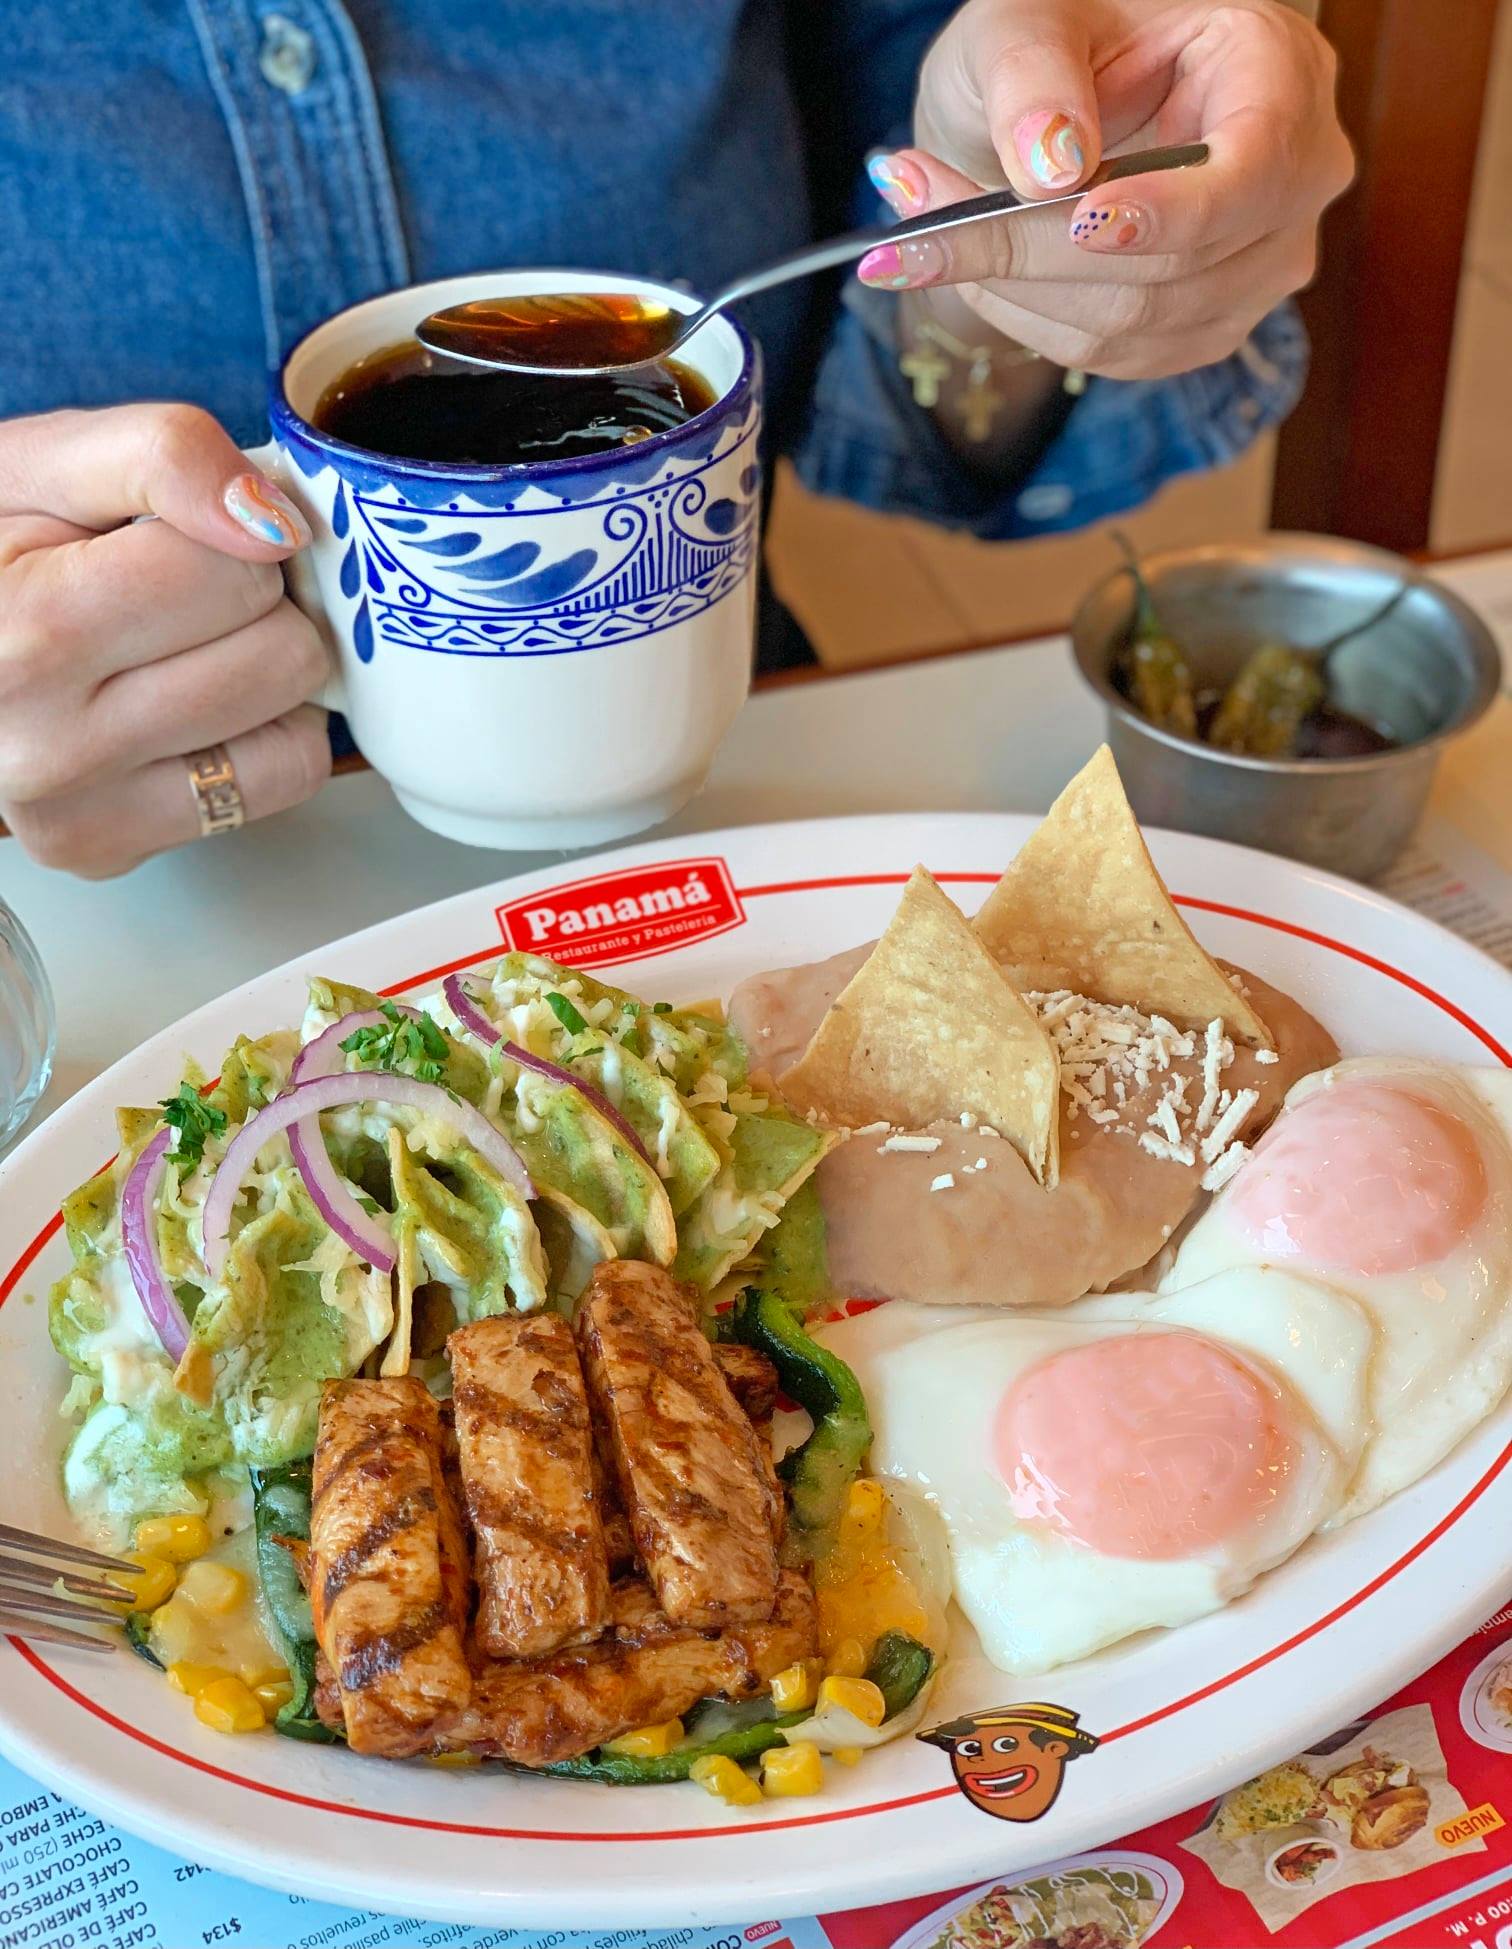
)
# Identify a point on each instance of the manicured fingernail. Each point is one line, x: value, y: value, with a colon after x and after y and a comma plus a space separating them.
x: 1110, y: 226
x: 1050, y: 148
x: 903, y: 267
x: 266, y: 512
x: 900, y: 182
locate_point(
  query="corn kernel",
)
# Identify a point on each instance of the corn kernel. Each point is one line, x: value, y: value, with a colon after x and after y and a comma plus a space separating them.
x: 864, y: 1504
x: 227, y: 1706
x: 718, y: 1774
x: 216, y: 1589
x: 788, y: 1771
x: 192, y: 1679
x: 262, y: 1670
x: 848, y: 1755
x: 272, y: 1695
x: 455, y: 1759
x: 796, y: 1686
x: 174, y: 1632
x: 179, y: 1538
x: 847, y: 1660
x: 150, y: 1583
x: 648, y: 1742
x: 857, y: 1696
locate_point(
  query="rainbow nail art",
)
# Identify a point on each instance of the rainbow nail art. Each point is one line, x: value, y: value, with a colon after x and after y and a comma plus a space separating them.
x: 905, y: 266
x: 883, y: 267
x: 1051, y: 149
x: 267, y: 514
x: 1113, y: 226
x: 899, y: 182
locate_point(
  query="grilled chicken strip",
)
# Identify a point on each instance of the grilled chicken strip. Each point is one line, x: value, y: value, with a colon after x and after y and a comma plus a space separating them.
x: 750, y: 1377
x: 619, y: 1544
x: 528, y: 1472
x: 554, y: 1708
x: 387, y: 1566
x: 685, y: 1458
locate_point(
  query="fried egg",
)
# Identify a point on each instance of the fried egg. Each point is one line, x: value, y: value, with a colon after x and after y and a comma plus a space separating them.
x: 1137, y: 1466
x: 1390, y: 1178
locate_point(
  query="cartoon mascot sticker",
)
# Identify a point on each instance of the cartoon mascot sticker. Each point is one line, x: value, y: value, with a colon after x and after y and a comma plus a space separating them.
x: 1010, y: 1761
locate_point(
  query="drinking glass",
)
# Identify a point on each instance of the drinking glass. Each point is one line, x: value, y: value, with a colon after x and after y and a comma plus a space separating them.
x: 28, y: 1027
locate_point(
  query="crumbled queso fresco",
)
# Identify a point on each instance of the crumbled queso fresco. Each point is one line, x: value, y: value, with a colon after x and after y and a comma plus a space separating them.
x: 1109, y: 1053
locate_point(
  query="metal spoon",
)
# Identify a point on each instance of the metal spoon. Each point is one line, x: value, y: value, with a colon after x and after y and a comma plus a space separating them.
x: 613, y: 331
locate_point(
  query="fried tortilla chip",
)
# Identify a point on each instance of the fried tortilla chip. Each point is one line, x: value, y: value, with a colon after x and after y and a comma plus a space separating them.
x: 1082, y: 907
x: 928, y: 1028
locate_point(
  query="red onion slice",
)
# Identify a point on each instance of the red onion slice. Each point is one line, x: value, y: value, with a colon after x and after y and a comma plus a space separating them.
x: 139, y: 1235
x: 477, y: 1023
x: 467, y: 1010
x: 309, y: 1098
x: 322, y: 1054
x: 362, y: 1231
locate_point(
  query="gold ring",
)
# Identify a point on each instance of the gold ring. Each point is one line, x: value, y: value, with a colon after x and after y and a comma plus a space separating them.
x: 217, y: 796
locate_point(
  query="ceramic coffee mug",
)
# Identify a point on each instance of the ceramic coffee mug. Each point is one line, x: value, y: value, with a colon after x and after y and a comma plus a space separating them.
x: 541, y: 655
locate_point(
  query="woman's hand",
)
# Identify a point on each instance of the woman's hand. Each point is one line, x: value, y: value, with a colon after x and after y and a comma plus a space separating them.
x: 1154, y: 275
x: 126, y: 644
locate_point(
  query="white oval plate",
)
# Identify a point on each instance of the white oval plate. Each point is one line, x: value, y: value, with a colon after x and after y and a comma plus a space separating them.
x: 1479, y: 1718
x: 1163, y: 1876
x: 1181, y: 1715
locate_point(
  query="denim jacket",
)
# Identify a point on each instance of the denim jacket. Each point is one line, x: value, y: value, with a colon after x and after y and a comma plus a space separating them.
x: 193, y: 183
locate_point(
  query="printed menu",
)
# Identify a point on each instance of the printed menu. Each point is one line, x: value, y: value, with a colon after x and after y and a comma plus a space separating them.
x: 1394, y: 1832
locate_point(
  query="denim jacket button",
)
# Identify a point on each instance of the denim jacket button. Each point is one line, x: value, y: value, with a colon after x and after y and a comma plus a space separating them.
x: 287, y: 58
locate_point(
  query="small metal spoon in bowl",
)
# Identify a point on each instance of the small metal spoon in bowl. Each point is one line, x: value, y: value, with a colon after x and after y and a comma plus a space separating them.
x: 612, y: 331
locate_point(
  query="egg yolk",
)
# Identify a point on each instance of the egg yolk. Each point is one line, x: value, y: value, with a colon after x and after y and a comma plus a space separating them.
x: 1363, y: 1178
x: 1154, y: 1446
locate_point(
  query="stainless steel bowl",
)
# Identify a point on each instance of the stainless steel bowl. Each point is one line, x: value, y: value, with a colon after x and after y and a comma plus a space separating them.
x: 1424, y: 675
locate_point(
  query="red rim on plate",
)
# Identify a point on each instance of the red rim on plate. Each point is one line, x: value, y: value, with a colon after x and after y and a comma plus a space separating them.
x: 1498, y: 1050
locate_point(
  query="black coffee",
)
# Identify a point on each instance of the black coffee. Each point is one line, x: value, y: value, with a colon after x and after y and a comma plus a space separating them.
x: 415, y: 405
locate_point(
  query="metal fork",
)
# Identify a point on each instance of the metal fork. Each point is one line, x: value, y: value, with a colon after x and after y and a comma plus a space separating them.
x: 32, y: 1593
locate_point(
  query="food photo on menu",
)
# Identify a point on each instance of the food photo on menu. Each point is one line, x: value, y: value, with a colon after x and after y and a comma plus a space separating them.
x: 629, y: 1308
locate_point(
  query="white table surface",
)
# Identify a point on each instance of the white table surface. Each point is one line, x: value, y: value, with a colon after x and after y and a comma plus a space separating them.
x: 987, y: 730
x: 998, y: 729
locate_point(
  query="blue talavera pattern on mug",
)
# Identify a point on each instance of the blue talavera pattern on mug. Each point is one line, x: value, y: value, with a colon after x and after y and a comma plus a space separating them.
x: 571, y: 560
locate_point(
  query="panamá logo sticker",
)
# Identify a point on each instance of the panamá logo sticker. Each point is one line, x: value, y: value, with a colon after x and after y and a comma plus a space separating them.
x: 1010, y: 1760
x: 625, y: 916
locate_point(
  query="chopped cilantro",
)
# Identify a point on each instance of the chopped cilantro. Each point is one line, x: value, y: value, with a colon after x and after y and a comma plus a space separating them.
x: 194, y: 1119
x: 565, y: 1013
x: 634, y: 1041
x: 403, y: 1044
x: 661, y: 1008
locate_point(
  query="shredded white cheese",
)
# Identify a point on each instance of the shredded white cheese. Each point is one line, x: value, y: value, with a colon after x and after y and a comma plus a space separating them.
x: 1266, y: 1056
x: 909, y: 1140
x: 1223, y: 1167
x: 944, y: 1182
x: 872, y: 1129
x: 1112, y: 1057
x: 1227, y: 1126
